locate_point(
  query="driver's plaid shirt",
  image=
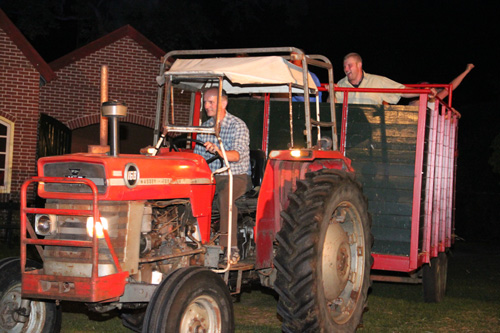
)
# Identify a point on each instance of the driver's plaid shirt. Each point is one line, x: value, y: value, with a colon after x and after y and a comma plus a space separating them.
x: 235, y: 136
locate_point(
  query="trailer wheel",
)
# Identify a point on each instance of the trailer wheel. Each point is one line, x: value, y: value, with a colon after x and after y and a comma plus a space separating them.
x: 434, y: 278
x: 44, y: 316
x: 192, y: 299
x: 324, y: 255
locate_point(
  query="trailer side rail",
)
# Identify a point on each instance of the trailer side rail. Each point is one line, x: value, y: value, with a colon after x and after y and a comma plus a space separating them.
x: 432, y: 221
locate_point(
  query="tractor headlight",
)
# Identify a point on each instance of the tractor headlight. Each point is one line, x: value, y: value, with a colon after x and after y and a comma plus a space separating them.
x: 99, y: 226
x: 301, y: 153
x: 149, y: 151
x: 45, y: 224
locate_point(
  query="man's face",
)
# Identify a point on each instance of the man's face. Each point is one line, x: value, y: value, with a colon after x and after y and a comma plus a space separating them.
x: 210, y: 102
x: 353, y: 70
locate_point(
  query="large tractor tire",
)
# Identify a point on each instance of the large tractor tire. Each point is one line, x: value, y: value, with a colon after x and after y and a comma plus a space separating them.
x: 45, y: 317
x: 324, y: 255
x: 192, y: 299
x: 434, y: 278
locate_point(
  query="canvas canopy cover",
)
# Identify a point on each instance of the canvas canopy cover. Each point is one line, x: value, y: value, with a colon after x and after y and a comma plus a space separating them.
x: 271, y: 74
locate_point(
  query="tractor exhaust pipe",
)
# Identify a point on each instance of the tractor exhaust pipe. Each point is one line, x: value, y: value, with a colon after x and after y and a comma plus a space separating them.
x: 114, y: 110
x: 103, y: 133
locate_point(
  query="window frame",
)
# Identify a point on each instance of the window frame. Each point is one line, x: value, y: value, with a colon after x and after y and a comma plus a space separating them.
x: 9, y: 146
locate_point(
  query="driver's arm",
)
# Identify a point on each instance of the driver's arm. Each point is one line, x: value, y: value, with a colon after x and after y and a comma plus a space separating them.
x: 232, y: 155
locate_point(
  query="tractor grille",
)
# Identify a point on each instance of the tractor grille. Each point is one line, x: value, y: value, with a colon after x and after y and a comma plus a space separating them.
x: 76, y: 261
x: 94, y: 172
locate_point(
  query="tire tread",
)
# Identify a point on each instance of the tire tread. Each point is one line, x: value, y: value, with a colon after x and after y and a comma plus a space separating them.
x: 296, y: 255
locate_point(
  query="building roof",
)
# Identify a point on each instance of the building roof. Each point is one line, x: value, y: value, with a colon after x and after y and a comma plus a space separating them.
x: 26, y: 48
x: 125, y: 31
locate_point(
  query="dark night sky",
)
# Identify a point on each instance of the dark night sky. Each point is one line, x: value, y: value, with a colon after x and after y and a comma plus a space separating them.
x: 408, y: 41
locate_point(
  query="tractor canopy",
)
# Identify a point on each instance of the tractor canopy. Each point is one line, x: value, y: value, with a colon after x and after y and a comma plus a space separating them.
x: 260, y: 73
x: 244, y: 75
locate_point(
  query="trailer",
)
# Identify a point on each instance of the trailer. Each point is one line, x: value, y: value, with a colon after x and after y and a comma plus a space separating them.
x: 405, y: 157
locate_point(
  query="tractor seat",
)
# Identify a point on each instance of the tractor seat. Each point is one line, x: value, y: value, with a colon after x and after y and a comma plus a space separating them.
x: 257, y: 166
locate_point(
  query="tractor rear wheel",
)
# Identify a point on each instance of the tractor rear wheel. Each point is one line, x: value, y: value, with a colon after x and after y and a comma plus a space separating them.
x: 434, y: 278
x: 324, y: 255
x: 44, y: 316
x: 191, y: 299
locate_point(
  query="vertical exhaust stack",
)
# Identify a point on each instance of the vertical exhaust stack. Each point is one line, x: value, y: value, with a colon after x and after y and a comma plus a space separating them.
x: 114, y: 110
x: 103, y: 134
x: 103, y: 147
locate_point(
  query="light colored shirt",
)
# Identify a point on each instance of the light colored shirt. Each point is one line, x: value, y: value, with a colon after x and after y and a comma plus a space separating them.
x: 370, y: 81
x: 235, y: 136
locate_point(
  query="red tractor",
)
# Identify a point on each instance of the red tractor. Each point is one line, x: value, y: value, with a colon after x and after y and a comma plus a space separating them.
x: 139, y: 233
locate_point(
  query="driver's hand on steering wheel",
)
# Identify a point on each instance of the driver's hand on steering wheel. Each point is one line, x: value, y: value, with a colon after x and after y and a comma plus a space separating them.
x: 212, y: 148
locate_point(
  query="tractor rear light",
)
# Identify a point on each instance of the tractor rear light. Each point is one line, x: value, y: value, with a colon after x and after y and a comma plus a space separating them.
x: 99, y: 226
x: 45, y: 224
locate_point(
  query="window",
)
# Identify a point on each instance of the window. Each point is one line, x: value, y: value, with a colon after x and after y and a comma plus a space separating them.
x: 6, y: 136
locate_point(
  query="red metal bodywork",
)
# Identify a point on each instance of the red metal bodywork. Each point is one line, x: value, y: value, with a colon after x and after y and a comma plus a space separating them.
x: 187, y: 176
x: 92, y: 289
x: 281, y: 176
x: 265, y: 130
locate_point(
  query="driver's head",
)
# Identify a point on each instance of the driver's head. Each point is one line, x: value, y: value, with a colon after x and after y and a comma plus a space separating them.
x: 210, y: 102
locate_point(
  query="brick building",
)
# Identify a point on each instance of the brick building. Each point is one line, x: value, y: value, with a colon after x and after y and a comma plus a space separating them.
x: 67, y: 91
x: 74, y: 98
x: 22, y: 71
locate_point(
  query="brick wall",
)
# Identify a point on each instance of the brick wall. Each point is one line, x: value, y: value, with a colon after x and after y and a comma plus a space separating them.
x: 74, y: 97
x: 19, y: 91
x: 182, y: 107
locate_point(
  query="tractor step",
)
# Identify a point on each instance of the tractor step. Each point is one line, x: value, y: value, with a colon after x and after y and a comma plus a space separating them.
x: 239, y: 267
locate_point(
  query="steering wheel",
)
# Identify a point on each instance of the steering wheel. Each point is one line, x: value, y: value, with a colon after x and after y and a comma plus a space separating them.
x: 176, y: 141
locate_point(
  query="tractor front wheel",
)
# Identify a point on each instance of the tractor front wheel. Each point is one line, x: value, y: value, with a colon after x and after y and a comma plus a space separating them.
x: 43, y: 317
x: 324, y: 255
x: 192, y: 299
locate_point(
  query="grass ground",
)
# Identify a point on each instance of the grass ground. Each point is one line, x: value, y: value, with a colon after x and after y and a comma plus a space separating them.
x: 472, y: 303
